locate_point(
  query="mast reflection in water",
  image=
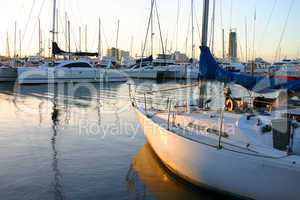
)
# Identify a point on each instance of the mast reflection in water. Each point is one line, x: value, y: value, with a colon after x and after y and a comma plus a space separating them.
x: 57, y: 185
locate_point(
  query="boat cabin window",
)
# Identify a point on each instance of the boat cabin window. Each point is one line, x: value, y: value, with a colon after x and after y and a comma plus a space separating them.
x: 144, y: 65
x: 148, y: 67
x: 53, y: 64
x: 77, y: 65
x: 157, y: 64
x: 135, y: 67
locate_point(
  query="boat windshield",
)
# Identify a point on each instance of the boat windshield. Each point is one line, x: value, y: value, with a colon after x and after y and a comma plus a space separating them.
x: 77, y: 65
x: 53, y: 64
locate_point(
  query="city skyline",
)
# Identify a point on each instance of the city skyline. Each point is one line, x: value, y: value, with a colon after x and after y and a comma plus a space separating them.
x: 276, y: 25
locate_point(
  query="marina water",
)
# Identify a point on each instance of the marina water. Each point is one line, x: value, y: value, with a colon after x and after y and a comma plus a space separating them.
x: 82, y: 141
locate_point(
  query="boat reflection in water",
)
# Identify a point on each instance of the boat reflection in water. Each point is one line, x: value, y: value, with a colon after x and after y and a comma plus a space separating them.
x: 148, y: 176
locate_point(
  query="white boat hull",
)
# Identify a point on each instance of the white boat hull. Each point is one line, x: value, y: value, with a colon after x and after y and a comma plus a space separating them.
x: 165, y: 72
x: 172, y: 71
x: 8, y: 74
x: 45, y: 76
x: 144, y: 74
x: 238, y: 174
x: 192, y: 74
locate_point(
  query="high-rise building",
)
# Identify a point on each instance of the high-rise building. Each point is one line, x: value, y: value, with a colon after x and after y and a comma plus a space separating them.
x: 233, y: 45
x: 117, y: 53
x: 114, y: 53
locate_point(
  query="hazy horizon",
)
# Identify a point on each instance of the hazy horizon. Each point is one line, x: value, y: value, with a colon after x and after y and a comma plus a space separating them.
x: 271, y: 29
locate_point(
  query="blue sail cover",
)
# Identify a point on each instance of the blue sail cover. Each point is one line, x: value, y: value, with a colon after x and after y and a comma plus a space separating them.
x: 209, y: 69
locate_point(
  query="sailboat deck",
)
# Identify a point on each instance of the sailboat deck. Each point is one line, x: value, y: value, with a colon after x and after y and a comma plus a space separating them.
x: 239, y: 131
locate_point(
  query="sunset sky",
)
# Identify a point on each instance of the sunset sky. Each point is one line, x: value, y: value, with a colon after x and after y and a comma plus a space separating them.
x: 271, y: 16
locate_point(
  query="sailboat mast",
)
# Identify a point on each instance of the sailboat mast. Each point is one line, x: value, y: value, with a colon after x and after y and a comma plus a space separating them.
x: 159, y: 27
x: 177, y: 25
x: 246, y: 38
x: 57, y: 26
x: 69, y: 37
x: 20, y: 44
x: 213, y: 28
x: 15, y: 40
x: 7, y: 46
x: 223, y: 43
x: 85, y: 38
x: 53, y: 25
x: 99, y: 40
x: 152, y: 34
x: 205, y: 23
x: 193, y: 28
x: 166, y: 43
x: 131, y: 46
x: 117, y: 39
x: 79, y: 38
x: 49, y: 48
x: 40, y: 37
x: 254, y: 34
x: 44, y: 45
x: 66, y: 30
x: 143, y: 43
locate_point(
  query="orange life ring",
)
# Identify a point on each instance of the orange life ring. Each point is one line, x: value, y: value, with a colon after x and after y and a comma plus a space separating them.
x: 229, y: 105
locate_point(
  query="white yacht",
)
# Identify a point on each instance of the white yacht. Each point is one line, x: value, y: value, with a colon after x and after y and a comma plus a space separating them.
x: 127, y: 61
x: 142, y: 68
x: 288, y: 62
x: 68, y: 71
x: 233, y: 66
x: 168, y: 68
x: 192, y: 72
x: 107, y: 62
x: 152, y: 72
x: 163, y: 67
x: 33, y: 61
x: 258, y: 66
x: 144, y: 72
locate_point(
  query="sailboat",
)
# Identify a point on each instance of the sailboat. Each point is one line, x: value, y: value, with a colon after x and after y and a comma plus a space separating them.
x: 242, y: 150
x: 81, y: 70
x: 164, y: 66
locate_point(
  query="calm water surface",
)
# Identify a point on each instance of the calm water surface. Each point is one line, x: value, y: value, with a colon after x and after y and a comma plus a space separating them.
x: 80, y: 141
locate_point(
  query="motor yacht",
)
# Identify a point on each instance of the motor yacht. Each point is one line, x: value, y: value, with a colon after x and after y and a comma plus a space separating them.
x: 142, y: 68
x: 168, y: 68
x: 68, y: 71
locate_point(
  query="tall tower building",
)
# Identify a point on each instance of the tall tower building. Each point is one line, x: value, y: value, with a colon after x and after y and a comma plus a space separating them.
x: 233, y: 45
x: 114, y: 53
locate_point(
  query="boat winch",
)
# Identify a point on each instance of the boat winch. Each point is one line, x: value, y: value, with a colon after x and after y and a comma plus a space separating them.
x: 286, y: 135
